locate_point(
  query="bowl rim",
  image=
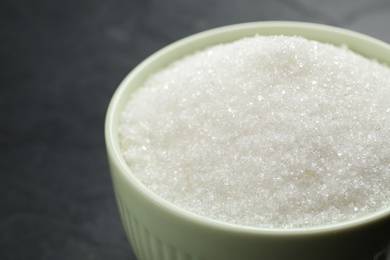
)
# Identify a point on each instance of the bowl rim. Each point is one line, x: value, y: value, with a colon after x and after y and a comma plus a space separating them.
x: 114, y: 153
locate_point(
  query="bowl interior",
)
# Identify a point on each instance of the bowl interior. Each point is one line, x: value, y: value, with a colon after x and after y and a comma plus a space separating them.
x: 362, y: 44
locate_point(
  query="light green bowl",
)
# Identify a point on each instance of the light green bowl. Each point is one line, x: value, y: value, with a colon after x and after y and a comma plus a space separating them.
x: 158, y: 229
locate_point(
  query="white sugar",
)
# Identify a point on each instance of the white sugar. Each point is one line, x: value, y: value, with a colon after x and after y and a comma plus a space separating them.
x: 273, y: 132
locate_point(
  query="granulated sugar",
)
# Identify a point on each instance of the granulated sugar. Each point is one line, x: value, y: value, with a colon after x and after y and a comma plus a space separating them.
x: 273, y: 132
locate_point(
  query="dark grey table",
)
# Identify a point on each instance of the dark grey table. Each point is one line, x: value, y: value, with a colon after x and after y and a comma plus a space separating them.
x: 61, y: 61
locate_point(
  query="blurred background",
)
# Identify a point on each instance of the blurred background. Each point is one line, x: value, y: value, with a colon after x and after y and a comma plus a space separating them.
x: 60, y: 63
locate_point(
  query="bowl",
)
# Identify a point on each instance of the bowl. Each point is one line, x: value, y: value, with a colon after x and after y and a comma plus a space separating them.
x: 159, y: 230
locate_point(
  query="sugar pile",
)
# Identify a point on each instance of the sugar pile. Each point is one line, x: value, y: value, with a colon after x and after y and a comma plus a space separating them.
x: 274, y: 132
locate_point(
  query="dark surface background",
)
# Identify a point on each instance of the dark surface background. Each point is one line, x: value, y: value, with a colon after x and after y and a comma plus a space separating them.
x: 61, y: 61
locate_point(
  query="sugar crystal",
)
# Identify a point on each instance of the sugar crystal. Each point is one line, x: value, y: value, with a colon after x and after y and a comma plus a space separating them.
x: 267, y: 131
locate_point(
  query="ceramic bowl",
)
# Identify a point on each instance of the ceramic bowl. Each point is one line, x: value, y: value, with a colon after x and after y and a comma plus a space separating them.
x: 159, y: 230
